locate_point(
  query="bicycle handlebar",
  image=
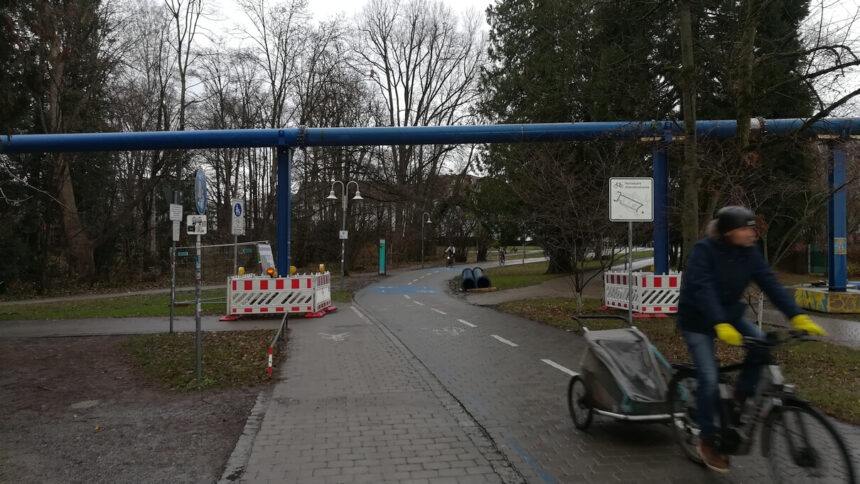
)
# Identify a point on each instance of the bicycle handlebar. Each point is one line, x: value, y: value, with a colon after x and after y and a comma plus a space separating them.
x: 774, y: 338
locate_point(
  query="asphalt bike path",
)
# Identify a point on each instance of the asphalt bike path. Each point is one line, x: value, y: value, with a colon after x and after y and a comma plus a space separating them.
x: 511, y: 375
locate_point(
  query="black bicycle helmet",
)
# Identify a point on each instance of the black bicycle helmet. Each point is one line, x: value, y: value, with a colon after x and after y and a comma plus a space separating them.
x: 733, y: 217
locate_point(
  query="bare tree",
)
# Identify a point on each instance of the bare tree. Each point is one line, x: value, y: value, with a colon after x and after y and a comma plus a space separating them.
x: 144, y: 96
x: 423, y: 65
x: 186, y: 15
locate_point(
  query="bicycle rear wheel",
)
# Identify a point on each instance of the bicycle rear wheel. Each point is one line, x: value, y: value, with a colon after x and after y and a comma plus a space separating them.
x: 681, y: 399
x: 803, y: 446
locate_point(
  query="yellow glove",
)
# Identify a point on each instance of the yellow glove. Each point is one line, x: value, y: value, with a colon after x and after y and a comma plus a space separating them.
x: 801, y: 322
x: 729, y: 334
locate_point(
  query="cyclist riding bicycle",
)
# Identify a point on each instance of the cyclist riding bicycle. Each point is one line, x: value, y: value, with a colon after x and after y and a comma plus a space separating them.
x: 719, y: 269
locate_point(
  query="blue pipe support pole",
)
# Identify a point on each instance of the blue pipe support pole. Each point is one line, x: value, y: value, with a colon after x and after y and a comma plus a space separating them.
x: 412, y: 135
x: 661, y: 205
x: 284, y: 233
x: 837, y: 258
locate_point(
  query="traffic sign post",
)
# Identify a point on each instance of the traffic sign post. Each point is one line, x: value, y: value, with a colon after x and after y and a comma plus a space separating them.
x: 631, y: 200
x: 175, y: 213
x: 197, y: 225
x: 237, y: 227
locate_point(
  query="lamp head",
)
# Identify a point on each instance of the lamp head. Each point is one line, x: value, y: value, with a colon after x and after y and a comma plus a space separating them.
x: 331, y: 195
x: 357, y: 194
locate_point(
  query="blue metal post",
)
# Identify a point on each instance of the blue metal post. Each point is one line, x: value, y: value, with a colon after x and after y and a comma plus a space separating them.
x: 284, y: 209
x: 837, y: 268
x: 661, y: 205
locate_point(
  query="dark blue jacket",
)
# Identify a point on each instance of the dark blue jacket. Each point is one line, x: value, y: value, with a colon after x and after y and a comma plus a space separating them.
x: 715, y: 279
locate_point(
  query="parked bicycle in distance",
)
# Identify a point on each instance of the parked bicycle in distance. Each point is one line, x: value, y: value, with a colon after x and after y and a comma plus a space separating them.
x: 798, y: 441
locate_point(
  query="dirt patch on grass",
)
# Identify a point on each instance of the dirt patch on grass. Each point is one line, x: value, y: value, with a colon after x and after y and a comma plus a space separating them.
x: 76, y: 410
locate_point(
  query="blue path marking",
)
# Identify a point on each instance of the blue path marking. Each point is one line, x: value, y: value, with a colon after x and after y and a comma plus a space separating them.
x: 531, y: 462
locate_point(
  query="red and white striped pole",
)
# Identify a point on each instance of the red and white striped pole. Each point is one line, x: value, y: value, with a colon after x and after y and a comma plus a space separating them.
x: 270, y: 361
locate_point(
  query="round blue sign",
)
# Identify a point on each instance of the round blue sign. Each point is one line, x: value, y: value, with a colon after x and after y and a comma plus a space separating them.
x: 237, y: 210
x: 200, y: 192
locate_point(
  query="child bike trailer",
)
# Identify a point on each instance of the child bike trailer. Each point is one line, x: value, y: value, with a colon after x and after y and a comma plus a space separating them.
x: 622, y: 376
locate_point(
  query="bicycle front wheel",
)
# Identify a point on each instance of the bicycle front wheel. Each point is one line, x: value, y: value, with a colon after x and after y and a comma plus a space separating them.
x: 803, y: 446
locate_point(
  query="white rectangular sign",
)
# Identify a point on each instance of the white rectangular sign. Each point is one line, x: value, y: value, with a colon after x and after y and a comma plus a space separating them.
x: 631, y: 199
x: 344, y: 234
x: 176, y: 224
x: 238, y: 211
x: 196, y: 224
x: 175, y: 212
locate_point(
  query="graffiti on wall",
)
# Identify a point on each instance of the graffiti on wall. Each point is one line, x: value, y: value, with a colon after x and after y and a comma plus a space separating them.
x: 836, y: 302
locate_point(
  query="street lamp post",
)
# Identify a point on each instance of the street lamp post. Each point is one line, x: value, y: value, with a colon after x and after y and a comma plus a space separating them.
x: 422, y: 234
x: 344, y: 189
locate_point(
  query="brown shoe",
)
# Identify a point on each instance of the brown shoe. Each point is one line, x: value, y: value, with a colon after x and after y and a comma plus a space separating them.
x: 712, y: 458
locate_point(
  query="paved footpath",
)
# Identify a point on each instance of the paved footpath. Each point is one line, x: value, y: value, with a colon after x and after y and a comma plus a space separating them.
x: 356, y: 406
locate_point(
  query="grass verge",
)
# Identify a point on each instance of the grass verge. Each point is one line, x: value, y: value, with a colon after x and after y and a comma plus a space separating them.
x: 519, y: 275
x: 230, y: 358
x: 341, y: 296
x: 826, y: 374
x: 511, y: 276
x: 214, y: 302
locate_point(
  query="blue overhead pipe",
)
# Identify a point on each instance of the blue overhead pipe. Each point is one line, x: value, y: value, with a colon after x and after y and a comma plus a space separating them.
x: 412, y: 135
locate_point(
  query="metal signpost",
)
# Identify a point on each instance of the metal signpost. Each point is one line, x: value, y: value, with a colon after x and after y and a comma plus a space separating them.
x: 237, y: 227
x: 176, y: 219
x: 631, y: 200
x: 197, y: 226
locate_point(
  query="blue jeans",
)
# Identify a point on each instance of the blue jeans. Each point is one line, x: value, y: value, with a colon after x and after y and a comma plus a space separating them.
x: 701, y: 347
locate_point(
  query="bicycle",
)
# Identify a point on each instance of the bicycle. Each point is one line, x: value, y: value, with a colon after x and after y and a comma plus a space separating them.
x: 797, y: 439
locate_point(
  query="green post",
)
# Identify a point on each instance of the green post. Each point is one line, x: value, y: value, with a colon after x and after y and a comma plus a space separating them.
x: 381, y: 257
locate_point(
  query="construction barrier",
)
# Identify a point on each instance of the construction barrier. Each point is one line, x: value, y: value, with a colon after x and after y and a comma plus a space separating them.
x: 652, y: 294
x: 301, y: 293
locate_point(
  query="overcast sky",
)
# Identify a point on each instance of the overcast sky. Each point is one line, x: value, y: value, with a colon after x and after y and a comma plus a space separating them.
x: 840, y: 11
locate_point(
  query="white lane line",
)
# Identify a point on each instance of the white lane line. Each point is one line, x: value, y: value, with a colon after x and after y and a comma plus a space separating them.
x: 439, y: 311
x: 559, y: 367
x: 503, y: 340
x: 407, y: 296
x: 418, y: 303
x: 467, y: 323
x: 416, y: 280
x: 360, y: 314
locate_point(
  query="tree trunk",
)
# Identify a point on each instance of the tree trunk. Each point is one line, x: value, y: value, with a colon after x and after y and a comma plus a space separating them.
x: 743, y: 84
x: 690, y: 163
x: 81, y: 260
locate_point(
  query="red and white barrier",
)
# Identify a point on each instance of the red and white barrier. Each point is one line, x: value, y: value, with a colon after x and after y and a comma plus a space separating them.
x: 302, y: 293
x: 652, y: 294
